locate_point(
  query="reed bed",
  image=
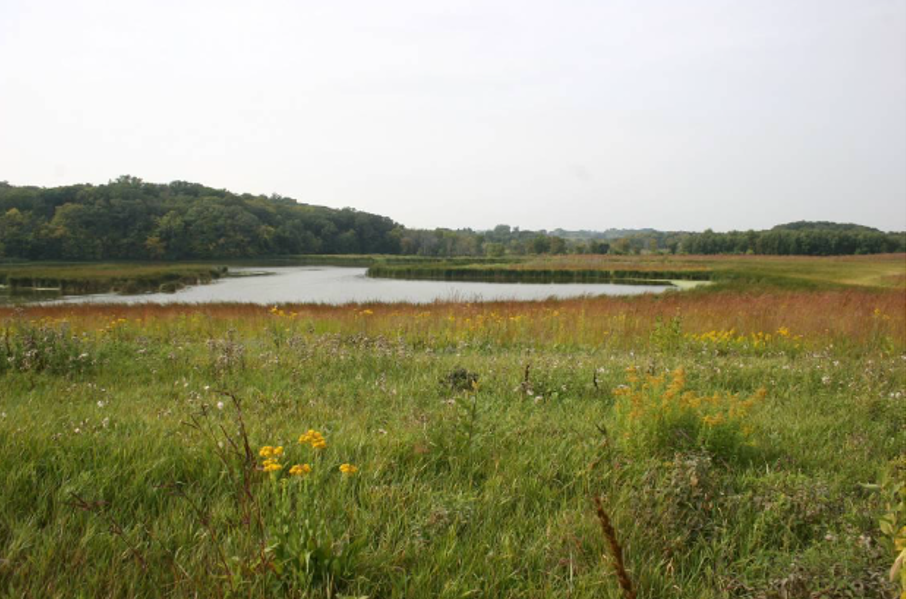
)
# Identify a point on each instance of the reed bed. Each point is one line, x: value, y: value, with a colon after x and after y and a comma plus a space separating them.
x: 729, y: 272
x: 77, y: 279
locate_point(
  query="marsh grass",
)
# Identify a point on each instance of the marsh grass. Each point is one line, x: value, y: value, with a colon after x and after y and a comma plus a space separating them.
x: 126, y: 278
x: 728, y: 272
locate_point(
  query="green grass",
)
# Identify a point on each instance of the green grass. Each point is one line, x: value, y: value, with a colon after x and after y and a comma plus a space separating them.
x: 113, y: 482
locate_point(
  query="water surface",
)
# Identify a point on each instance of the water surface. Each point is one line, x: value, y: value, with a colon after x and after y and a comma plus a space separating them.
x: 341, y: 285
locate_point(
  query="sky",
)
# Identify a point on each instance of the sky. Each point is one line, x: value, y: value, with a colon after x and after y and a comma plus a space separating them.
x: 722, y: 114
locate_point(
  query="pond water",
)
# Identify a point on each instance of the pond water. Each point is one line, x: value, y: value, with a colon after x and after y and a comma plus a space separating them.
x: 341, y: 285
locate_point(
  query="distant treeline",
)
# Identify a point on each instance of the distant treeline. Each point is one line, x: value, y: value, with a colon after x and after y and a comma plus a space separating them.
x: 129, y: 219
x: 800, y: 238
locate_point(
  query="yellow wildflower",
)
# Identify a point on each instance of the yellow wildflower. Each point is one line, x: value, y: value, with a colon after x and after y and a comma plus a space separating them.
x: 273, y: 467
x: 300, y: 470
x: 266, y: 451
x: 348, y: 469
x: 313, y: 438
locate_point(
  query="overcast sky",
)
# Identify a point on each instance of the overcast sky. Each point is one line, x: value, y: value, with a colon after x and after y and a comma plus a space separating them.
x: 572, y: 113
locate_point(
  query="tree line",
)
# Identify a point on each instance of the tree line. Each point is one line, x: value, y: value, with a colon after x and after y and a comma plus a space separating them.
x: 130, y: 219
x: 800, y: 238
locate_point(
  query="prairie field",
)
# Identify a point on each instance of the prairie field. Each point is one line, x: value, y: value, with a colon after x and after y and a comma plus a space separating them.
x: 742, y: 441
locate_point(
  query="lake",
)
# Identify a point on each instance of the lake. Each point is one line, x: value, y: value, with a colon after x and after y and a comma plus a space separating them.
x: 341, y: 285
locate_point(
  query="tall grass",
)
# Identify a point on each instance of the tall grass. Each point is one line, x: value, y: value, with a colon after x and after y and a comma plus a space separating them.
x: 715, y: 320
x: 476, y: 432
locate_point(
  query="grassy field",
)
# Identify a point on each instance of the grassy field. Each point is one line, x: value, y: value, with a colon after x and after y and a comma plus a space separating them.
x: 744, y: 441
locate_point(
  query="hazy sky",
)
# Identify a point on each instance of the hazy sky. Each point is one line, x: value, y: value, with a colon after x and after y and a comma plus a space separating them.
x: 574, y: 114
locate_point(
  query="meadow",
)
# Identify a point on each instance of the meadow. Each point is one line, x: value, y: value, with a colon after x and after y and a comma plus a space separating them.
x: 743, y: 440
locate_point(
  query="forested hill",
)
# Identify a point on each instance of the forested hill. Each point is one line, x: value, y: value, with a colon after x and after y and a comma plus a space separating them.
x: 823, y: 225
x: 131, y: 219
